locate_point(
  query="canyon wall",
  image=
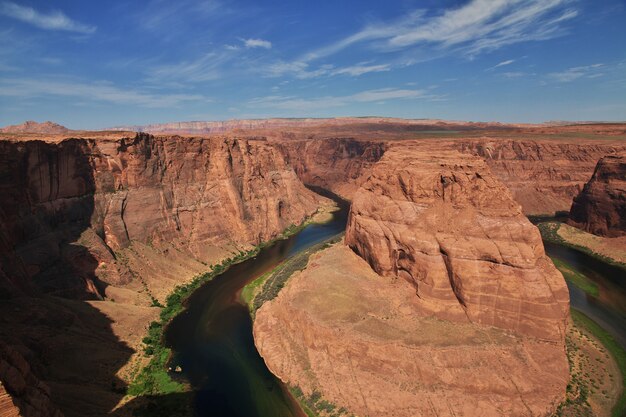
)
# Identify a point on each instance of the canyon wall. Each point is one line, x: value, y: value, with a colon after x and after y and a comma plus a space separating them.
x: 600, y: 208
x: 543, y: 175
x: 199, y: 195
x: 95, y: 232
x: 362, y: 342
x: 21, y: 393
x: 442, y: 301
x: 445, y: 224
x: 337, y: 164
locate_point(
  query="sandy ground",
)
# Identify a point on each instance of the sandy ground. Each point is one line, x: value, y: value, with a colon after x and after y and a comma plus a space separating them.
x: 593, y: 370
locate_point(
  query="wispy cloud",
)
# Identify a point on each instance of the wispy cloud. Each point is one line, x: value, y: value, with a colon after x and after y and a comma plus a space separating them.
x: 103, y: 92
x: 205, y: 68
x: 478, y: 26
x: 317, y: 103
x: 574, y: 73
x: 257, y: 43
x: 514, y: 74
x: 303, y: 70
x: 298, y: 69
x: 55, y: 20
x: 503, y: 63
x: 166, y: 16
x: 500, y: 64
x: 361, y: 69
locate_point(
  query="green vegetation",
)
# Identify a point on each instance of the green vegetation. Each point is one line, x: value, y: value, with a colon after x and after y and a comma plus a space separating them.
x: 268, y: 285
x: 176, y: 405
x: 314, y: 405
x: 154, y: 379
x: 576, y: 278
x: 549, y: 232
x: 618, y: 353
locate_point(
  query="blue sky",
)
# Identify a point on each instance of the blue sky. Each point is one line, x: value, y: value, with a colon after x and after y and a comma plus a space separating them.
x: 89, y: 64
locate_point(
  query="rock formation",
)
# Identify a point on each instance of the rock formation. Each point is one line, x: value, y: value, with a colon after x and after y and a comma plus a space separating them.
x: 21, y: 393
x: 362, y: 342
x: 467, y: 319
x: 34, y: 127
x: 543, y: 175
x: 120, y: 222
x: 337, y: 164
x: 600, y: 208
x: 445, y: 224
x: 199, y: 195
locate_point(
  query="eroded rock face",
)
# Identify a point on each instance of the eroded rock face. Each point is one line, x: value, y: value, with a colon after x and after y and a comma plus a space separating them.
x: 34, y: 127
x: 543, y: 175
x: 21, y: 393
x: 446, y: 225
x: 337, y: 164
x: 67, y: 208
x: 362, y: 342
x: 600, y: 208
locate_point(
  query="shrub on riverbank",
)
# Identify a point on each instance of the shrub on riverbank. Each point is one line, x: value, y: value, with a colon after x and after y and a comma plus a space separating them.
x: 267, y: 286
x: 154, y: 379
x: 315, y: 406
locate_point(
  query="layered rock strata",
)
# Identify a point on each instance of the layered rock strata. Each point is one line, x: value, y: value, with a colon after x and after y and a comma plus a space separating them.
x: 459, y: 312
x: 21, y: 393
x: 543, y: 175
x: 600, y: 208
x: 337, y: 164
x: 363, y: 343
x: 68, y: 208
x: 120, y: 222
x: 446, y: 225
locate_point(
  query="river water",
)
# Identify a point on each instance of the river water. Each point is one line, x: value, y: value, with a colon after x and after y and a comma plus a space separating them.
x: 213, y: 344
x: 609, y: 308
x: 212, y: 339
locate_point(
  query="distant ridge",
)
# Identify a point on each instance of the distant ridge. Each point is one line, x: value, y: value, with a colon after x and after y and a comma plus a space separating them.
x: 212, y: 127
x: 31, y: 126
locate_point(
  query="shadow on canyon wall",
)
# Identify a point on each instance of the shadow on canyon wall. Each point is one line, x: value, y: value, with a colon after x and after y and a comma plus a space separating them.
x: 58, y: 347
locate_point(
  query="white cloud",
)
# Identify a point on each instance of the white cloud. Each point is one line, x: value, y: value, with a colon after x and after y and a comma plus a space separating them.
x: 206, y: 68
x: 302, y: 70
x: 319, y: 103
x: 503, y: 63
x: 55, y: 20
x: 29, y: 88
x: 574, y: 73
x: 170, y: 17
x: 361, y: 69
x: 257, y: 43
x: 477, y: 26
x: 299, y: 69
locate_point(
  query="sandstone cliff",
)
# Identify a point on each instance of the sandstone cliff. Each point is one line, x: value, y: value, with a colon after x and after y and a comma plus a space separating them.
x: 362, y: 342
x: 68, y: 208
x: 543, y: 175
x: 467, y: 319
x: 600, y: 208
x: 21, y: 393
x: 34, y: 127
x: 445, y: 224
x: 337, y: 164
x: 120, y: 221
